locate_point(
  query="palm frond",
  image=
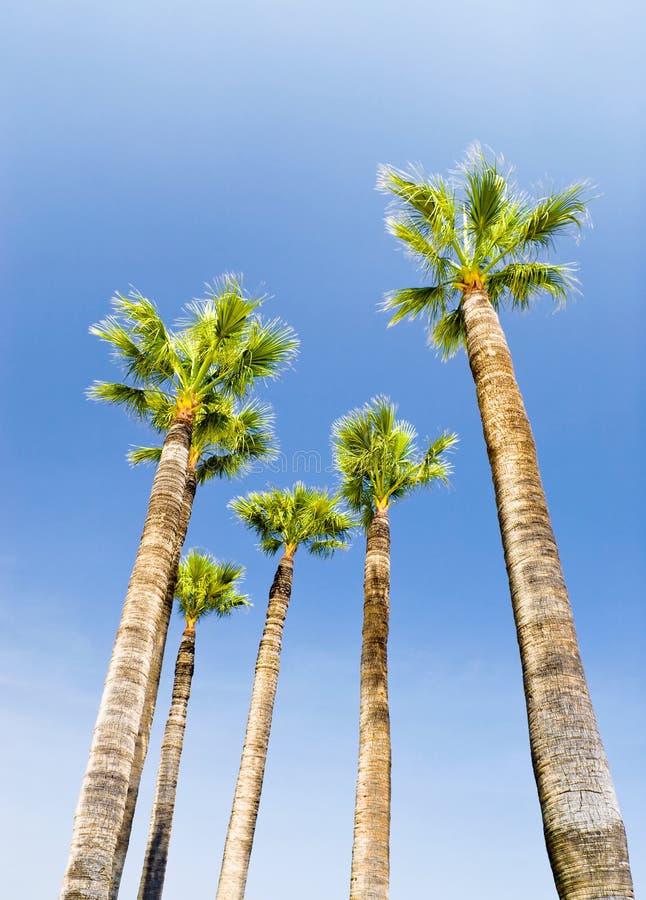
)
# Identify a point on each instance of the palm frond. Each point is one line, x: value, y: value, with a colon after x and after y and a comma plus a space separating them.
x: 449, y: 334
x: 225, y: 465
x: 134, y: 400
x: 521, y: 281
x: 145, y: 323
x: 486, y: 192
x: 430, y: 202
x: 269, y: 347
x: 555, y: 214
x: 144, y: 455
x: 411, y: 302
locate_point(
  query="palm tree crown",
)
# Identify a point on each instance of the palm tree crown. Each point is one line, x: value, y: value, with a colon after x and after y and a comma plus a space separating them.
x: 378, y: 458
x: 217, y: 352
x: 291, y: 517
x: 224, y: 445
x: 477, y: 230
x: 205, y: 585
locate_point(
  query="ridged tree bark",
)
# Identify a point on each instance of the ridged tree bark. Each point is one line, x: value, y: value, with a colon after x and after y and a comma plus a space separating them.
x: 101, y: 807
x: 143, y: 737
x: 161, y: 821
x: 244, y: 812
x: 371, y: 844
x: 584, y: 832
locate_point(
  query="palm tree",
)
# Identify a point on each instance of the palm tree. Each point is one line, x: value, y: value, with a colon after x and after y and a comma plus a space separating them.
x: 283, y: 519
x: 484, y: 245
x: 203, y: 586
x: 223, y: 446
x: 379, y: 463
x: 177, y: 381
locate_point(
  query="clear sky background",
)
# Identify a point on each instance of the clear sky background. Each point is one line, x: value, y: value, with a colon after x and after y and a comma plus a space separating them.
x: 158, y: 145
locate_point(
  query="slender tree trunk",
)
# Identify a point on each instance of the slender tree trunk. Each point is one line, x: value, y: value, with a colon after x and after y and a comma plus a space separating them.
x: 583, y: 828
x: 371, y: 844
x: 242, y: 824
x: 104, y: 791
x: 161, y: 821
x: 143, y: 737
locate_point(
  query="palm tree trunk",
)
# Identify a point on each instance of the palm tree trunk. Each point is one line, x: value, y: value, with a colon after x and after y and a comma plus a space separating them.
x: 161, y: 822
x: 584, y: 832
x: 242, y: 824
x: 151, y: 692
x: 104, y: 791
x: 371, y: 845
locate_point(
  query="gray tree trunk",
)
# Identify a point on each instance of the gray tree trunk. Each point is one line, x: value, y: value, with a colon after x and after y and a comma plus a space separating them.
x: 161, y: 821
x: 583, y: 828
x: 371, y: 845
x: 143, y: 737
x: 242, y: 824
x: 104, y: 791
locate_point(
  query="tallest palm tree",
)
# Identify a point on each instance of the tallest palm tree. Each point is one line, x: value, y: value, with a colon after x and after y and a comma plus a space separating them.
x: 178, y: 381
x: 484, y: 244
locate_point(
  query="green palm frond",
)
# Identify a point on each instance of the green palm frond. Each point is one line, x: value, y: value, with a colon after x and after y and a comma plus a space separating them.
x: 430, y: 203
x: 378, y: 460
x: 523, y: 280
x: 448, y: 333
x: 139, y: 455
x: 554, y: 215
x: 149, y: 332
x: 299, y: 516
x: 269, y: 347
x: 409, y: 303
x: 220, y: 465
x: 134, y: 400
x: 406, y: 229
x: 205, y: 585
x: 477, y: 228
x: 486, y: 194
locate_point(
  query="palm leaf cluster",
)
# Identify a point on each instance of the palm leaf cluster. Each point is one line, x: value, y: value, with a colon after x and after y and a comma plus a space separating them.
x: 476, y: 229
x: 379, y: 461
x: 224, y: 443
x: 205, y: 585
x: 294, y: 517
x: 220, y: 348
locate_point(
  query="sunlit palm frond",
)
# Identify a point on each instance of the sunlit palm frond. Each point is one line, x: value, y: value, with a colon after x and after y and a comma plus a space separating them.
x: 145, y: 323
x: 430, y: 203
x: 411, y: 302
x: 139, y: 455
x: 134, y: 400
x: 269, y: 347
x: 519, y: 282
x: 553, y: 215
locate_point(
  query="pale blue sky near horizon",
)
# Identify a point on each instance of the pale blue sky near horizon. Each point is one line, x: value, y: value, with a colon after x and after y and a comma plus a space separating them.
x: 158, y: 145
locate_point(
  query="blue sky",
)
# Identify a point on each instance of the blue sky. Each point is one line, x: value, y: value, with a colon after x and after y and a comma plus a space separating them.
x: 158, y: 145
